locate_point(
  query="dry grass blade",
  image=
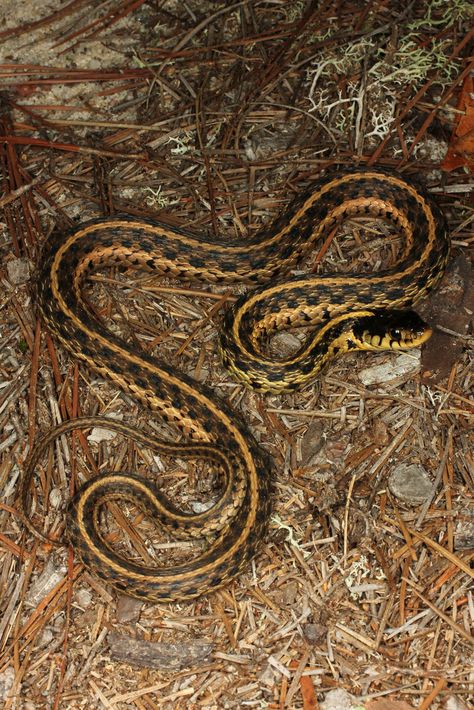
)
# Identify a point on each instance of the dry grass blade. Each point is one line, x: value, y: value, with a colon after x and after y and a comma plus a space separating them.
x: 457, y: 561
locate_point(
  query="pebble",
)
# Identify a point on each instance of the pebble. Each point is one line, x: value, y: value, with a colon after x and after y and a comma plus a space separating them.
x: 6, y: 682
x: 338, y: 699
x: 453, y: 703
x: 18, y: 271
x: 314, y: 633
x: 401, y: 366
x: 464, y: 530
x: 84, y: 598
x: 410, y: 483
x: 99, y: 434
x: 55, y: 498
x: 54, y: 572
x: 286, y: 595
x: 128, y: 609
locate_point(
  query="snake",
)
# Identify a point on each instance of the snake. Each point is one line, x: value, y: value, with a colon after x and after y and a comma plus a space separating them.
x: 338, y: 313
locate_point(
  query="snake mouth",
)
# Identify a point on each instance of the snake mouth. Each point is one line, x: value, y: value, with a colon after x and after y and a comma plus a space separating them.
x: 391, y: 330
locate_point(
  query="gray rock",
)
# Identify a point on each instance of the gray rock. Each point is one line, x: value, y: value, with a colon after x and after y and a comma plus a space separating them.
x: 410, y: 483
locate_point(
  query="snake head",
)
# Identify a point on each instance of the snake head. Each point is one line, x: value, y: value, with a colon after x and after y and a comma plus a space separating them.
x: 390, y: 330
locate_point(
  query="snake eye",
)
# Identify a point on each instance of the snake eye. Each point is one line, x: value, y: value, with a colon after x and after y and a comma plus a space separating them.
x: 396, y: 334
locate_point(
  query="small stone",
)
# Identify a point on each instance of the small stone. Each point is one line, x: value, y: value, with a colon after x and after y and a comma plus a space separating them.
x: 6, y: 682
x: 401, y: 366
x: 59, y: 622
x: 55, y: 498
x: 339, y: 699
x: 199, y: 507
x: 128, y: 609
x: 53, y: 573
x: 46, y: 637
x: 286, y: 594
x: 314, y: 633
x: 200, y: 374
x: 18, y: 271
x: 84, y: 598
x: 99, y: 434
x: 312, y: 442
x: 464, y: 531
x: 453, y: 703
x: 410, y: 483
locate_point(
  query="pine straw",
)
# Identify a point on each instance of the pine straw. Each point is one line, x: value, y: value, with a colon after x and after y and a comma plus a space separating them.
x: 211, y: 129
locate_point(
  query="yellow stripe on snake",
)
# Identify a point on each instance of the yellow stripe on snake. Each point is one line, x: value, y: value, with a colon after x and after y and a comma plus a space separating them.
x: 345, y: 312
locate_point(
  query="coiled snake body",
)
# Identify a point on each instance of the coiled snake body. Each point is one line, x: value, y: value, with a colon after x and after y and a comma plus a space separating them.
x: 348, y: 310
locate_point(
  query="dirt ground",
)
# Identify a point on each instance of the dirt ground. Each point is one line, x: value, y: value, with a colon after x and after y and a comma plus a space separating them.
x: 211, y: 117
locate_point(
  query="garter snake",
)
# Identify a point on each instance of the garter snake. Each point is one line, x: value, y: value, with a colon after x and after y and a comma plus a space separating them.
x: 349, y: 311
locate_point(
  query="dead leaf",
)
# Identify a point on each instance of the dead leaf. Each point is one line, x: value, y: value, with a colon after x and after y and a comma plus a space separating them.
x: 461, y: 148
